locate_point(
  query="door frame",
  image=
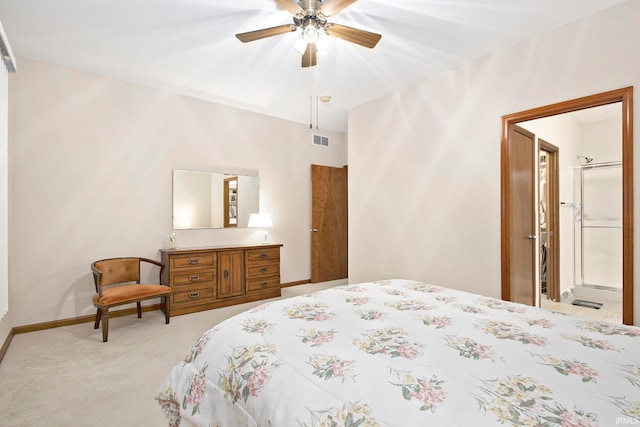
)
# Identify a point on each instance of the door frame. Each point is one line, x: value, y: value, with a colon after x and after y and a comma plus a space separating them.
x: 623, y: 95
x: 553, y: 219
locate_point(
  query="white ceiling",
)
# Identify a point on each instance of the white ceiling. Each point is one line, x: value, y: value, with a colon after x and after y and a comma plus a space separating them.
x: 188, y: 46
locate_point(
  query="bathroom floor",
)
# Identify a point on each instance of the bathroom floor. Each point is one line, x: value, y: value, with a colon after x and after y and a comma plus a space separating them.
x: 611, y: 310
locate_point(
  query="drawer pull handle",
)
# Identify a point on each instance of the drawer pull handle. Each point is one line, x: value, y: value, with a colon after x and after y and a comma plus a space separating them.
x: 194, y: 278
x: 263, y: 270
x: 264, y: 284
x: 194, y: 295
x: 264, y: 255
x: 194, y: 261
x: 226, y: 274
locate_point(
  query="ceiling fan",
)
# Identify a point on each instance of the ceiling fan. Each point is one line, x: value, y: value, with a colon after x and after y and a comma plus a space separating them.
x: 311, y: 17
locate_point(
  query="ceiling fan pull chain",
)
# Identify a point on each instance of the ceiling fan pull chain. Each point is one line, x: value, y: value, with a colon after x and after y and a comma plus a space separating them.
x: 311, y: 75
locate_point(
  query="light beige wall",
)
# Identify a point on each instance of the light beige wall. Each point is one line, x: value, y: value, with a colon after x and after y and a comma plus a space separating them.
x: 91, y: 172
x: 424, y: 163
x: 602, y: 140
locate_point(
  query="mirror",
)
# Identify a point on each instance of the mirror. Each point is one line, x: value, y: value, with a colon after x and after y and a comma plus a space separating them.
x: 213, y: 200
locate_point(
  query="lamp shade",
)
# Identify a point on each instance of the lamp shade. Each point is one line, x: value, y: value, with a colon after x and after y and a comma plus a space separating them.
x: 260, y: 220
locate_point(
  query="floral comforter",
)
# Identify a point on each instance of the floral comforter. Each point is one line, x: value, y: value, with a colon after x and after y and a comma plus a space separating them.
x: 404, y: 353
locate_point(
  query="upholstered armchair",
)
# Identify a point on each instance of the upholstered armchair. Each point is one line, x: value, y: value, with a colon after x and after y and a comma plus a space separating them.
x: 117, y: 282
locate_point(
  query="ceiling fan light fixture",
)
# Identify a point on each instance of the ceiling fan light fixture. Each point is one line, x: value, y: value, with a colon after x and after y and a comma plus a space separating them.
x: 310, y: 33
x: 300, y: 45
x: 322, y: 43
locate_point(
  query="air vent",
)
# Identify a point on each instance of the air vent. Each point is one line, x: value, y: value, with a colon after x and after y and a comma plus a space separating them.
x: 320, y: 140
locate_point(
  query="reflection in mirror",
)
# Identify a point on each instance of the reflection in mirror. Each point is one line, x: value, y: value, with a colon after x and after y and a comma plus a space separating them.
x: 213, y: 200
x: 230, y: 196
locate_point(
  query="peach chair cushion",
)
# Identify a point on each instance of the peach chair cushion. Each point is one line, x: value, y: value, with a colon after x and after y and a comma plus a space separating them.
x: 130, y: 293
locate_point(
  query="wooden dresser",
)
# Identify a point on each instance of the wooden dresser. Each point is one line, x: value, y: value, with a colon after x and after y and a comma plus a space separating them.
x: 218, y: 276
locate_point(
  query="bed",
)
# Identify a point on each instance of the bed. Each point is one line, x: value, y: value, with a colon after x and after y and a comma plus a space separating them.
x: 405, y: 353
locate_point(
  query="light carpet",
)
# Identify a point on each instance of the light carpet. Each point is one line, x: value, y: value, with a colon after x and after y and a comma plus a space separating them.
x: 68, y: 377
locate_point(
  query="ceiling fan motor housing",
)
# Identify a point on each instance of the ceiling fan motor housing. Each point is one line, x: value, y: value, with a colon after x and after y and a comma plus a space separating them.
x: 310, y: 6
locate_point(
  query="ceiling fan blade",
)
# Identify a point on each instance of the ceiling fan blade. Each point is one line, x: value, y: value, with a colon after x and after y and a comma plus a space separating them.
x: 265, y: 32
x: 309, y: 57
x: 291, y: 6
x: 331, y: 7
x: 354, y: 35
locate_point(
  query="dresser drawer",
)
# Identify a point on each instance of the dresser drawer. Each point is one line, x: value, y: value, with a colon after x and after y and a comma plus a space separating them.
x: 263, y: 284
x: 267, y: 254
x: 192, y: 278
x: 193, y: 261
x: 194, y: 295
x: 272, y: 269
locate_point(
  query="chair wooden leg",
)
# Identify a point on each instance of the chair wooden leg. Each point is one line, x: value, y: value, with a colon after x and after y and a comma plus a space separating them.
x: 139, y: 307
x: 96, y: 325
x: 166, y: 306
x: 105, y: 325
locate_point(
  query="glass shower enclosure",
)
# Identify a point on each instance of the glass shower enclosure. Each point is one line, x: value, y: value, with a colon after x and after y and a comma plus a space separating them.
x: 597, y: 226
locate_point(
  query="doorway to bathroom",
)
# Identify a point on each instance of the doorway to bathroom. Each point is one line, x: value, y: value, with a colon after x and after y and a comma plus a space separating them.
x: 580, y: 212
x: 581, y: 250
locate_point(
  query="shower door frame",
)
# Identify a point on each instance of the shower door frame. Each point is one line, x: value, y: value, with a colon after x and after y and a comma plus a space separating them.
x: 625, y: 97
x: 581, y: 169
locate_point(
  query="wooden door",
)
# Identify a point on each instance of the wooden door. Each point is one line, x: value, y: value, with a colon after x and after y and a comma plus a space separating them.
x: 329, y: 232
x: 552, y: 219
x: 522, y: 206
x: 230, y: 273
